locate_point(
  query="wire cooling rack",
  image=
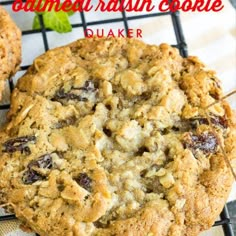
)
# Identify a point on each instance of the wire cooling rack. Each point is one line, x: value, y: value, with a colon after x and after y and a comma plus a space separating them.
x: 86, y: 22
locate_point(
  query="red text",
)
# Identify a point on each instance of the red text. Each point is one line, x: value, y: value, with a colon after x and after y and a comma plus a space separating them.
x: 120, y: 33
x: 49, y: 5
x: 190, y: 5
x: 125, y: 5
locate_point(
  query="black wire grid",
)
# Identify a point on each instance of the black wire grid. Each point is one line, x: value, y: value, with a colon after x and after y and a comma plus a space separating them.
x: 224, y: 221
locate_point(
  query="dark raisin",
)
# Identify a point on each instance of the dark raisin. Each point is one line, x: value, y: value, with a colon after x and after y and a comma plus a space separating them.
x: 31, y: 175
x: 175, y: 128
x: 216, y: 96
x: 206, y: 142
x: 19, y: 144
x: 84, y: 181
x: 44, y: 162
x: 108, y: 106
x: 220, y: 121
x: 61, y: 94
x: 141, y: 150
x: 107, y: 132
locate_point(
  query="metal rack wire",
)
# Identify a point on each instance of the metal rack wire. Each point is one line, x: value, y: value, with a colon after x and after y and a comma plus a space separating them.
x: 225, y: 222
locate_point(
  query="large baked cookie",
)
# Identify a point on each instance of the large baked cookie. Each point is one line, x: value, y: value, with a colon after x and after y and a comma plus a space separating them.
x: 10, y: 48
x: 111, y: 137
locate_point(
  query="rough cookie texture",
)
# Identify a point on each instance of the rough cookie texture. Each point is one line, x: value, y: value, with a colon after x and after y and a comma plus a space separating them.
x: 10, y: 48
x: 110, y: 137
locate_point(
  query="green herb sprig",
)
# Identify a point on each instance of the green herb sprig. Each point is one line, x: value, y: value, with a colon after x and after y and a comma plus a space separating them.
x: 55, y: 20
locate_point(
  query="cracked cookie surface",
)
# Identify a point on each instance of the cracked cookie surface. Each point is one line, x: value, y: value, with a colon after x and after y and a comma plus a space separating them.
x: 110, y: 137
x: 10, y: 48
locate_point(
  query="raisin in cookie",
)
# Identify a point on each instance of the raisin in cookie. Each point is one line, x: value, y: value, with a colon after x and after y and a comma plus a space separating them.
x: 10, y: 48
x: 111, y: 137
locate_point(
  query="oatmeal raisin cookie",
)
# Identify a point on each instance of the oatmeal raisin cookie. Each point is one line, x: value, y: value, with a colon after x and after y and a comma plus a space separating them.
x: 111, y: 137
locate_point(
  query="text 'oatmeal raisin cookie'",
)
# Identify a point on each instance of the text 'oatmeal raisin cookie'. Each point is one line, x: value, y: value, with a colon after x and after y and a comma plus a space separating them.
x: 110, y: 137
x: 10, y: 48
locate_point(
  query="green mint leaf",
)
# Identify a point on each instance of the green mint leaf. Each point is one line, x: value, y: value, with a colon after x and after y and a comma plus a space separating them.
x: 58, y: 21
x: 36, y: 23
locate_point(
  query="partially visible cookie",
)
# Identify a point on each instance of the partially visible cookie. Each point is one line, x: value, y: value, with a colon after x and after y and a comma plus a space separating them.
x: 108, y: 137
x: 10, y: 48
